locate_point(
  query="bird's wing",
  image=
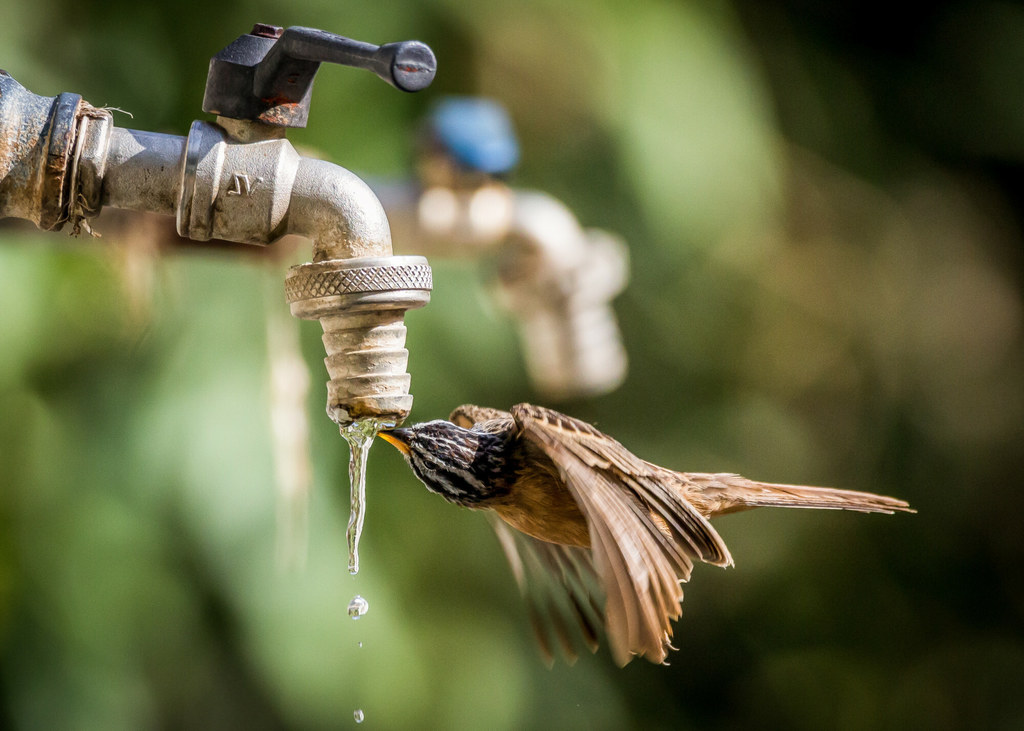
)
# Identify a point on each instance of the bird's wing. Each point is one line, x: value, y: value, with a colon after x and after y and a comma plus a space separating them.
x: 659, y: 489
x: 467, y: 416
x: 561, y: 589
x: 562, y: 592
x: 644, y: 534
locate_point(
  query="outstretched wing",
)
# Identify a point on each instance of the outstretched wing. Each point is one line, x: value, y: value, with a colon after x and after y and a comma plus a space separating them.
x: 644, y: 534
x: 559, y: 585
x: 562, y: 591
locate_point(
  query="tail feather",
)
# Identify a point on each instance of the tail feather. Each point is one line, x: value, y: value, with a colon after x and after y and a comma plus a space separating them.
x: 730, y: 493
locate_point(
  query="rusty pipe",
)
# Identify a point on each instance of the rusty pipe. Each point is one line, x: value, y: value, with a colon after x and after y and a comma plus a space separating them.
x: 36, y: 144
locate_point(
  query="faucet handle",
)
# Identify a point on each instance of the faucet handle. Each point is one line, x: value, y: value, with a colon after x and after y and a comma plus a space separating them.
x: 406, y: 65
x: 267, y: 75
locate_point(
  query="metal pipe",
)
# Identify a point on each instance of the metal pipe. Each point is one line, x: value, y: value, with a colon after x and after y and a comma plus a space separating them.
x: 338, y: 212
x: 36, y: 143
x: 240, y: 180
x: 143, y: 171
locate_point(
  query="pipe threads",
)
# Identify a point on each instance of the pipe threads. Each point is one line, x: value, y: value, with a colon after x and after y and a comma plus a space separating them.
x: 360, y: 304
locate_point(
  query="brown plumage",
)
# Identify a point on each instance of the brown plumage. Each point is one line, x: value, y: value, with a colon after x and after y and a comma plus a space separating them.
x: 594, y: 520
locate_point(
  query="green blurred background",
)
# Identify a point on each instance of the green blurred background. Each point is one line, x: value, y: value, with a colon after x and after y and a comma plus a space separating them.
x: 824, y: 207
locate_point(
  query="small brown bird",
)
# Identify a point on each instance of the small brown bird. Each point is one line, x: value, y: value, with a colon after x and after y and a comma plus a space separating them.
x: 592, y: 519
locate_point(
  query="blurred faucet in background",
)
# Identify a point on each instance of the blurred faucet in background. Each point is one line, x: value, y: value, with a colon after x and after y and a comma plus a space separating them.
x: 555, y: 277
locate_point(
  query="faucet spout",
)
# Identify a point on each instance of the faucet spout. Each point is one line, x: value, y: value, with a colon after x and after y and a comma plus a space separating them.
x: 240, y: 180
x: 357, y: 289
x: 338, y: 212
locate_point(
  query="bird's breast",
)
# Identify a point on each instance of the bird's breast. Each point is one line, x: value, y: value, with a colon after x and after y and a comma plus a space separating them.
x: 540, y: 505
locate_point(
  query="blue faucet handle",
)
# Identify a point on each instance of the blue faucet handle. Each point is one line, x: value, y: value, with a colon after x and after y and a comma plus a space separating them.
x: 477, y: 133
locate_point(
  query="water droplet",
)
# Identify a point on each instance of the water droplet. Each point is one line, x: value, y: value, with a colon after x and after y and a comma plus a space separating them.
x: 357, y: 608
x: 360, y: 644
x: 358, y: 715
x: 359, y: 435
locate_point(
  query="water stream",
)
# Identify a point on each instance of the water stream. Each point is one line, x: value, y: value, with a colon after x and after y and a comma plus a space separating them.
x: 359, y: 435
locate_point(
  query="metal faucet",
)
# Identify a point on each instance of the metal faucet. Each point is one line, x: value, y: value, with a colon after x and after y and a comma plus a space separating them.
x: 556, y: 278
x: 62, y: 160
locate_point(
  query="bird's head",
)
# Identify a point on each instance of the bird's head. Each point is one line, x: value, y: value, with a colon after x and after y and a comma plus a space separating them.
x: 463, y: 466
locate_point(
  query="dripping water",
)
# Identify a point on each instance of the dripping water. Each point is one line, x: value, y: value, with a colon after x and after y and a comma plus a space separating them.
x: 357, y: 608
x: 359, y: 435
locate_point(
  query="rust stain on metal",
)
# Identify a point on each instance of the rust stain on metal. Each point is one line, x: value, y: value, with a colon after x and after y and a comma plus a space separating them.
x: 56, y: 194
x: 278, y: 100
x: 280, y: 111
x: 265, y: 30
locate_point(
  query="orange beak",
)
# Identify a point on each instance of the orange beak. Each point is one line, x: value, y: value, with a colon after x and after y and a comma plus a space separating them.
x: 394, y: 438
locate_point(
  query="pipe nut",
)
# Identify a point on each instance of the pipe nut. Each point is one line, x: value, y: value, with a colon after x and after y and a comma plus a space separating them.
x: 321, y: 288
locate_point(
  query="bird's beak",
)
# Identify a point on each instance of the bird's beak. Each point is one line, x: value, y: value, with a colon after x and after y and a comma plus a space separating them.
x: 398, y: 438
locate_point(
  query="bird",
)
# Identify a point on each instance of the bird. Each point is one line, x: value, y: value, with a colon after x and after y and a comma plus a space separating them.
x: 597, y: 538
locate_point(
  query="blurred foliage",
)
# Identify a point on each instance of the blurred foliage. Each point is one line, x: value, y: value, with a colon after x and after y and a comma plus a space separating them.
x: 823, y: 203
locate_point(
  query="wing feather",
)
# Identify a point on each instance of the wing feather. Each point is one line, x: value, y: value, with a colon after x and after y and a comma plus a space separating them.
x: 640, y: 566
x: 561, y: 589
x: 657, y: 487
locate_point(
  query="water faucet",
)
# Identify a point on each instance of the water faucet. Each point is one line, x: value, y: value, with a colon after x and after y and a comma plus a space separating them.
x: 556, y: 278
x: 238, y: 179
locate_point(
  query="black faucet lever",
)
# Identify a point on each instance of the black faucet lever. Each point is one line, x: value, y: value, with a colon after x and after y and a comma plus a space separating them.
x: 267, y: 75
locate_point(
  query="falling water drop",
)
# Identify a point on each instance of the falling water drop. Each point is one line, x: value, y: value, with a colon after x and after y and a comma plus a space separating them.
x: 358, y: 715
x: 359, y: 435
x: 357, y: 608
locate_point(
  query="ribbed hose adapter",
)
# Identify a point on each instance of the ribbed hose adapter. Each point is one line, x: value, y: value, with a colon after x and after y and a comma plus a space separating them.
x: 361, y: 305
